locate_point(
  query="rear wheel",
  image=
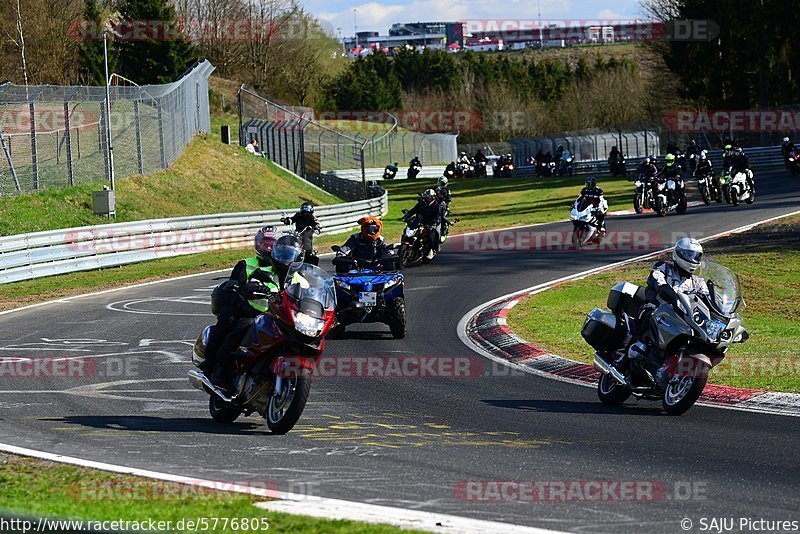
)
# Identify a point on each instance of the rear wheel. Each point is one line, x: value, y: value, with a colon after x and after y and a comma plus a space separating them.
x: 752, y: 197
x: 220, y: 411
x: 683, y: 391
x: 396, y: 312
x: 286, y: 407
x: 610, y: 392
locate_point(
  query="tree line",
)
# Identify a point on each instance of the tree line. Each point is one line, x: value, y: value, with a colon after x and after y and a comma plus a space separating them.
x: 274, y: 45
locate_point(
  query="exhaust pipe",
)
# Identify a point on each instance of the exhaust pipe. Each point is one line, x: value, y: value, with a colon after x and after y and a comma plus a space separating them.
x: 202, y: 382
x: 601, y: 365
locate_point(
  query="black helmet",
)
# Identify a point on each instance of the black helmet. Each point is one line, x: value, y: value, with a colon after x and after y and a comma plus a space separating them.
x: 591, y: 182
x: 307, y: 207
x: 560, y: 147
x: 287, y: 250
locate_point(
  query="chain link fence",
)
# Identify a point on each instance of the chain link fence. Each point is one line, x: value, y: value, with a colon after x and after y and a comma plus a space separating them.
x: 317, y: 148
x: 56, y: 136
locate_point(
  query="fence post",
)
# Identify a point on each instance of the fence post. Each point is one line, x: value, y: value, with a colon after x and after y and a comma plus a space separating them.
x: 161, y: 134
x: 34, y: 153
x: 68, y: 143
x: 363, y: 175
x: 102, y: 139
x: 239, y: 109
x: 137, y: 121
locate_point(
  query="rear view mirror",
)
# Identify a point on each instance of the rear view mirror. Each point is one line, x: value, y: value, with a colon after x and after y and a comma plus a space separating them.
x: 336, y: 248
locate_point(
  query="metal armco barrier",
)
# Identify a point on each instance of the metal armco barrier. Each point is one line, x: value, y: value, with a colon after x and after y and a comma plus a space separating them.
x: 39, y: 254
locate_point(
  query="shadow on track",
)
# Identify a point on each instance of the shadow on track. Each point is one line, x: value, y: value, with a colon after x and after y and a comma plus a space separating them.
x: 559, y: 406
x: 140, y: 423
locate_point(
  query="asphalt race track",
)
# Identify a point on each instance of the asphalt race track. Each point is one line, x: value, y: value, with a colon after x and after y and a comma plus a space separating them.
x: 408, y: 442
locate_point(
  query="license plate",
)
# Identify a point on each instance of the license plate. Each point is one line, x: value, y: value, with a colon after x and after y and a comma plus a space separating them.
x: 370, y: 298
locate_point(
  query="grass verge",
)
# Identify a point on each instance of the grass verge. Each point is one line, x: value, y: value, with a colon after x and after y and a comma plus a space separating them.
x: 766, y: 260
x: 209, y: 177
x: 35, y: 488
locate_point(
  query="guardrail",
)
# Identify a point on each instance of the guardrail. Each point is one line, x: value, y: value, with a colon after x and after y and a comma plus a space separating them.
x: 39, y: 254
x: 377, y: 174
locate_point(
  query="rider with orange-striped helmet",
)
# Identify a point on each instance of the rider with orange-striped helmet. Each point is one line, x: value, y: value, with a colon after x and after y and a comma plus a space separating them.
x: 368, y: 245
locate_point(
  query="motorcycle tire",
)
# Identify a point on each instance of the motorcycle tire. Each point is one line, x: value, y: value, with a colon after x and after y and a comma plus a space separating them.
x: 752, y: 197
x: 680, y: 405
x: 660, y: 209
x: 610, y: 392
x: 705, y: 194
x: 297, y: 403
x: 734, y: 198
x: 396, y: 314
x: 637, y: 204
x: 726, y: 194
x: 577, y: 238
x: 683, y: 205
x: 403, y: 255
x: 220, y: 411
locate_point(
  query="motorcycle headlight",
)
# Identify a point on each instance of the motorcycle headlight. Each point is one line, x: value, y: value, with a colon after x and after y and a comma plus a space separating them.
x: 661, y: 186
x: 410, y: 232
x: 714, y: 327
x: 638, y: 183
x: 341, y: 283
x: 307, y: 325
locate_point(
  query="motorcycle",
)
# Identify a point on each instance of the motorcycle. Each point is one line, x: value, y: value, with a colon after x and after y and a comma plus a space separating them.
x: 413, y: 171
x: 617, y: 166
x: 725, y: 184
x: 670, y: 194
x: 306, y: 236
x: 273, y: 368
x: 692, y: 162
x: 643, y: 197
x: 708, y: 188
x: 414, y: 242
x: 585, y: 226
x: 689, y: 334
x: 389, y: 174
x: 565, y: 166
x: 506, y: 170
x: 480, y: 169
x: 793, y: 162
x: 742, y: 189
x: 465, y: 170
x: 368, y: 292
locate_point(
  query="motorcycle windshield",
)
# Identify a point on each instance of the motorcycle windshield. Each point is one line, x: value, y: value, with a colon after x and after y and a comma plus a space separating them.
x: 724, y: 287
x: 307, y: 283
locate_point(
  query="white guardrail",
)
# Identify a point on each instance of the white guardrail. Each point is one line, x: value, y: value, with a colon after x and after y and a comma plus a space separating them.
x: 39, y: 254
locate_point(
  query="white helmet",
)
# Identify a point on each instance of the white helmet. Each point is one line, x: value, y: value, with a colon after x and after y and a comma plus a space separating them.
x: 688, y: 254
x: 785, y: 139
x: 704, y: 154
x: 443, y: 180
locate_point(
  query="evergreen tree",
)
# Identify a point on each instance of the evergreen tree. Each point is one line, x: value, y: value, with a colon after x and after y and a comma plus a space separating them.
x: 152, y: 49
x: 90, y: 52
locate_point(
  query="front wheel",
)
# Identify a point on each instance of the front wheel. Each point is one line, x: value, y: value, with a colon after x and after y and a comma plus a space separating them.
x: 683, y: 391
x: 578, y: 236
x: 661, y: 207
x: 404, y: 254
x: 396, y: 312
x: 705, y: 194
x: 735, y: 196
x: 682, y: 205
x: 637, y: 203
x: 220, y: 411
x: 610, y: 392
x: 286, y: 406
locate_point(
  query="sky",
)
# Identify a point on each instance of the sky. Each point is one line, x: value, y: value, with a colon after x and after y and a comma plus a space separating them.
x: 379, y: 16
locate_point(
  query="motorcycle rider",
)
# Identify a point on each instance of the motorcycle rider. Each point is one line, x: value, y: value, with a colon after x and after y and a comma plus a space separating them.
x: 235, y: 305
x: 559, y: 153
x: 741, y: 163
x: 368, y: 244
x: 687, y: 256
x: 671, y: 168
x: 443, y: 191
x: 787, y: 148
x: 692, y: 150
x: 563, y: 162
x: 450, y: 169
x: 303, y: 219
x: 463, y: 158
x: 480, y: 157
x: 432, y: 214
x: 390, y: 171
x: 594, y: 195
x: 727, y: 157
x: 415, y: 162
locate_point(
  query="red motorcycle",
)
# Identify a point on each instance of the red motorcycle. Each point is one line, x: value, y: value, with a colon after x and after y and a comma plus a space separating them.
x: 274, y: 366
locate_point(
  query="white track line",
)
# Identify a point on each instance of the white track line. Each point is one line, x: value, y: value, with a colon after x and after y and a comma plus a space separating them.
x: 294, y: 503
x: 463, y: 323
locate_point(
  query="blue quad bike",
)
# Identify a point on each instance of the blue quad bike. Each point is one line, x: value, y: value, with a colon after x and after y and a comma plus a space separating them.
x: 368, y: 292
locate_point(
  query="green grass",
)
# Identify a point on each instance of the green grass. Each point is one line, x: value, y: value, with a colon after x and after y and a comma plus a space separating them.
x: 35, y: 488
x: 769, y: 274
x: 209, y: 177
